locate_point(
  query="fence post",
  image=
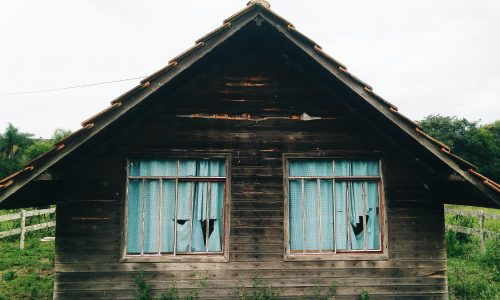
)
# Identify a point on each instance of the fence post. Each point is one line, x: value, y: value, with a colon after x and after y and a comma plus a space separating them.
x: 481, y: 229
x: 23, y: 229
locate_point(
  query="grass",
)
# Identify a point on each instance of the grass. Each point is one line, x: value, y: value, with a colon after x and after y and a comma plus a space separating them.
x: 27, y: 273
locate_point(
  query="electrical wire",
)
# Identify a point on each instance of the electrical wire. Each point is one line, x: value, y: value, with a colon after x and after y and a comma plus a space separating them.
x: 70, y: 87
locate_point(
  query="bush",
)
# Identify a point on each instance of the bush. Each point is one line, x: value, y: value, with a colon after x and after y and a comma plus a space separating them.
x: 143, y: 289
x: 9, y: 275
x: 259, y: 291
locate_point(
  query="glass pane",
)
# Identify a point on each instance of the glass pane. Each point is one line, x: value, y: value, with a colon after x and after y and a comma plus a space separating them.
x: 365, y: 168
x: 153, y: 168
x: 217, y: 168
x: 311, y: 215
x: 202, y: 168
x: 187, y: 168
x: 151, y: 216
x: 198, y: 242
x: 134, y: 217
x: 216, y: 217
x: 296, y: 222
x: 356, y: 209
x: 310, y: 168
x: 326, y: 208
x: 340, y: 215
x: 168, y: 215
x: 372, y: 226
x: 184, y: 216
x: 344, y: 167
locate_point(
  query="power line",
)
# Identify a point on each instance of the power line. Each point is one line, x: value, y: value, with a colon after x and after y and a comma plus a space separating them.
x: 70, y: 87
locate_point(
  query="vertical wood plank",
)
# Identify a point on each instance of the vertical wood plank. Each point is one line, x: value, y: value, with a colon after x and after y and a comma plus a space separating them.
x: 23, y: 229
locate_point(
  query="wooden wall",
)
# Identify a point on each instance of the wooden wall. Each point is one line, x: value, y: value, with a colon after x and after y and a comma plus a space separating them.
x: 259, y: 79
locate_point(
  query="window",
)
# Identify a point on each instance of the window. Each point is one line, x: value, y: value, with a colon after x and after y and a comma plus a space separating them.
x: 175, y: 207
x: 334, y: 206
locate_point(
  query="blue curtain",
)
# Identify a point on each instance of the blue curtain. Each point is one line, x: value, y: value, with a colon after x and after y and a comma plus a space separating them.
x: 193, y: 218
x: 373, y: 226
x: 311, y: 216
x: 151, y: 216
x: 168, y: 215
x: 202, y: 221
x: 134, y: 217
x: 315, y: 207
x: 340, y: 215
x: 296, y: 220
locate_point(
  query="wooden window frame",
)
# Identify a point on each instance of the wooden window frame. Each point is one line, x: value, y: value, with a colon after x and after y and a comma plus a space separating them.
x: 222, y: 256
x: 305, y: 255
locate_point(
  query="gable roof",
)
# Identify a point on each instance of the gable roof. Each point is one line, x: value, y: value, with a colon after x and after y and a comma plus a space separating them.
x: 254, y: 12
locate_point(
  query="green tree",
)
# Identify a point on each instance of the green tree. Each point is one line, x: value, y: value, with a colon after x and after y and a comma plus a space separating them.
x: 17, y: 148
x: 478, y: 144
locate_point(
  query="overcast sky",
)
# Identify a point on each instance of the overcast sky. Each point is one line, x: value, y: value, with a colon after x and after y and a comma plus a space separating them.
x: 426, y: 56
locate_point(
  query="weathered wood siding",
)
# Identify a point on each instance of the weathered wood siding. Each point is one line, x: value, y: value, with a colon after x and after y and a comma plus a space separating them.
x: 262, y: 81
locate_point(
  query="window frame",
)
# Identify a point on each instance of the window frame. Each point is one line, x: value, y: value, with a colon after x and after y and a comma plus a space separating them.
x: 381, y: 254
x: 180, y: 257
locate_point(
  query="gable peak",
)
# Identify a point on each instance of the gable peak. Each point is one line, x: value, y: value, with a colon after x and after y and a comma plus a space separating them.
x: 260, y: 2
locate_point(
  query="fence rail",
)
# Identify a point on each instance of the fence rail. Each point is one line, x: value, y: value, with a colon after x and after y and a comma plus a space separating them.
x: 481, y: 232
x: 23, y: 214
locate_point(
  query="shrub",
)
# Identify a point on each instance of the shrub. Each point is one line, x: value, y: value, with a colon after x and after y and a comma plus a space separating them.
x: 364, y: 295
x: 143, y: 289
x: 259, y: 291
x: 463, y: 221
x: 9, y: 275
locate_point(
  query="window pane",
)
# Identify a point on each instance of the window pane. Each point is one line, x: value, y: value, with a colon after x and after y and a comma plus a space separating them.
x: 153, y: 168
x: 134, y: 217
x: 311, y: 214
x: 356, y: 214
x: 168, y: 215
x: 187, y: 168
x: 202, y: 168
x: 365, y: 168
x: 200, y: 217
x: 184, y: 216
x: 151, y: 216
x: 344, y: 167
x: 373, y: 226
x: 341, y: 215
x: 216, y: 217
x: 310, y: 168
x: 326, y: 208
x: 296, y: 223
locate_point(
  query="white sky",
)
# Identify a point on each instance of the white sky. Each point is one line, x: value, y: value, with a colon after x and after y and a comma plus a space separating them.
x: 426, y: 56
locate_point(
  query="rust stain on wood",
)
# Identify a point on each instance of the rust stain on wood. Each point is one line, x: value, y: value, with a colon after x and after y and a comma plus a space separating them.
x: 249, y: 117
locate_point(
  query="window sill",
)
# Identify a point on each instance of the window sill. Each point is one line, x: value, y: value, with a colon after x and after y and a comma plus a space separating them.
x: 337, y: 257
x: 176, y: 259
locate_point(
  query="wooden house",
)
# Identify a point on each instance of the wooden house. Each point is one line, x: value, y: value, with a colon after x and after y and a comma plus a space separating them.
x: 254, y: 153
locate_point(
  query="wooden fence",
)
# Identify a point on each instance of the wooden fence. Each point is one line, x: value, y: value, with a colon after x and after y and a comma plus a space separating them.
x: 481, y: 232
x: 23, y: 214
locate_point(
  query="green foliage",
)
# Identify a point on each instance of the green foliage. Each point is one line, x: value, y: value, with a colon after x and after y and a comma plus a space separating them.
x: 17, y: 148
x: 259, y: 291
x: 318, y: 293
x: 364, y: 295
x: 9, y: 275
x: 142, y: 287
x: 473, y: 274
x: 478, y: 144
x: 463, y: 221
